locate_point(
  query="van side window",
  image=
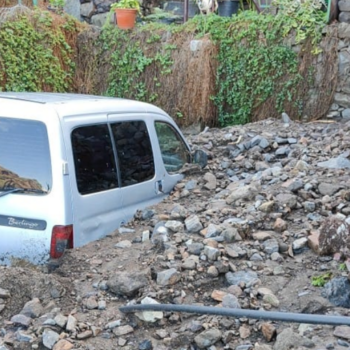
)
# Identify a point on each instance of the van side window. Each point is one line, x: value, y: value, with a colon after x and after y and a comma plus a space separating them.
x: 134, y: 152
x: 94, y: 161
x: 174, y: 150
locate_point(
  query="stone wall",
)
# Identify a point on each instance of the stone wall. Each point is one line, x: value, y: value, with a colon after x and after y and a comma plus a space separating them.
x: 341, y: 106
x: 344, y: 11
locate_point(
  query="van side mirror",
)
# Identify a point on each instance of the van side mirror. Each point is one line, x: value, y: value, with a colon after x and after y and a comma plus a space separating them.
x: 200, y: 157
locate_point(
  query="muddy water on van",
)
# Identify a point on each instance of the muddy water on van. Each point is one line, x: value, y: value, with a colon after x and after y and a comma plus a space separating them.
x: 239, y: 233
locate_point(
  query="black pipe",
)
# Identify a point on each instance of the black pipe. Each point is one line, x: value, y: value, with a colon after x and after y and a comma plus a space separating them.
x: 255, y: 314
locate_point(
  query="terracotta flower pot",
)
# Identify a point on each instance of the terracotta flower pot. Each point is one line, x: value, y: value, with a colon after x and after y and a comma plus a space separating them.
x: 126, y: 18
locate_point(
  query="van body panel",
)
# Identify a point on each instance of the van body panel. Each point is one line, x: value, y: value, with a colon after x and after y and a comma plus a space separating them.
x: 52, y: 207
x: 100, y: 178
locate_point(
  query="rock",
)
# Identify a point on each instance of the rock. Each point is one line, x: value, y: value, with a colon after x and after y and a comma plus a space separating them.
x: 193, y: 224
x: 195, y: 248
x: 218, y: 295
x: 313, y: 241
x: 230, y: 301
x: 262, y: 235
x: 270, y: 246
x: 280, y: 225
x: 174, y: 225
x: 287, y: 340
x: 212, y: 231
x: 241, y: 276
x: 241, y: 193
x: 337, y: 291
x: 334, y: 236
x: 63, y: 344
x: 50, y: 338
x: 293, y: 185
x: 208, y: 338
x: 123, y: 244
x: 128, y: 284
x: 168, y: 277
x: 231, y: 234
x: 299, y: 244
x: 91, y: 303
x: 84, y: 335
x: 271, y: 299
x: 335, y: 163
x: 328, y: 189
x: 211, y: 253
x: 32, y: 308
x: 21, y: 320
x: 285, y: 118
x: 4, y: 294
x: 145, y: 345
x: 210, y: 181
x: 24, y: 337
x: 287, y: 200
x: 71, y: 323
x: 342, y: 332
x: 149, y: 316
x: 122, y: 330
x: 267, y: 207
x: 61, y: 320
x: 235, y: 251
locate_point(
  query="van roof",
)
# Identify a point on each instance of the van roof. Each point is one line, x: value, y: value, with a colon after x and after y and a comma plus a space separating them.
x: 64, y: 102
x: 48, y: 97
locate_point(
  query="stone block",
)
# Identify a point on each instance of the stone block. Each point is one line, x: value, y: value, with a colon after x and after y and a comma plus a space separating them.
x: 344, y: 5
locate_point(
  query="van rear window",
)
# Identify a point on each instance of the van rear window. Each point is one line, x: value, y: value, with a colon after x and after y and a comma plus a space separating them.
x: 25, y: 161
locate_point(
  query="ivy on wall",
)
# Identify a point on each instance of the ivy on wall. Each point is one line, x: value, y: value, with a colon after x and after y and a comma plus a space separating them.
x: 35, y: 53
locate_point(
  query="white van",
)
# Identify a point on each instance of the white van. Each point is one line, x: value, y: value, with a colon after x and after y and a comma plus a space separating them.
x: 73, y: 168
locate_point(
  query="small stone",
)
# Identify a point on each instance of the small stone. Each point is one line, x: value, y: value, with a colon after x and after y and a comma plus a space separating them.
x: 212, y: 271
x: 193, y: 224
x: 71, y: 323
x: 267, y: 207
x: 271, y: 299
x: 145, y: 345
x: 21, y: 320
x: 207, y: 338
x: 211, y: 253
x: 91, y: 303
x: 168, y: 277
x: 23, y: 337
x: 299, y: 244
x: 63, y: 344
x: 123, y: 244
x: 342, y: 332
x: 174, y: 225
x: 262, y: 235
x: 32, y: 308
x: 61, y: 320
x: 244, y: 332
x: 218, y: 295
x: 210, y: 181
x: 102, y: 305
x: 122, y: 330
x: 149, y: 316
x: 84, y: 335
x: 230, y: 301
x: 280, y: 225
x: 4, y: 293
x: 271, y: 246
x: 268, y: 330
x: 50, y: 338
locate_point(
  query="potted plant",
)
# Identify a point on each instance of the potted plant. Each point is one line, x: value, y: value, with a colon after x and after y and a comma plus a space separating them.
x: 126, y: 12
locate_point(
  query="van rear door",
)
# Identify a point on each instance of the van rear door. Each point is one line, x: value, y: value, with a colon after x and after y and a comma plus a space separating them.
x: 25, y: 186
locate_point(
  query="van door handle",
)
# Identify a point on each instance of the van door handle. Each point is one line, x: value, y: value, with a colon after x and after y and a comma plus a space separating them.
x: 159, y: 186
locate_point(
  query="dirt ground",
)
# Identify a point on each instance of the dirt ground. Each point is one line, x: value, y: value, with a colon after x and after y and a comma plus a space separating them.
x: 82, y: 286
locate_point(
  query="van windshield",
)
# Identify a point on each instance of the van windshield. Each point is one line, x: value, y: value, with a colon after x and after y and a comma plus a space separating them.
x: 24, y: 157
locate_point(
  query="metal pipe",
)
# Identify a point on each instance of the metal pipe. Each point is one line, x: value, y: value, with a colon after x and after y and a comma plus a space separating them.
x: 185, y: 11
x: 255, y: 314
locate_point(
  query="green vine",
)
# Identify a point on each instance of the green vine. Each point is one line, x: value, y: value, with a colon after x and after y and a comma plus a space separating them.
x: 256, y: 60
x: 128, y: 61
x: 34, y: 54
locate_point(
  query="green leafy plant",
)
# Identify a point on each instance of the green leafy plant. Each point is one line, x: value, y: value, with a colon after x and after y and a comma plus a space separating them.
x: 126, y: 4
x: 321, y: 280
x: 342, y: 267
x: 59, y: 4
x: 35, y: 54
